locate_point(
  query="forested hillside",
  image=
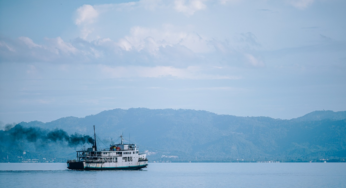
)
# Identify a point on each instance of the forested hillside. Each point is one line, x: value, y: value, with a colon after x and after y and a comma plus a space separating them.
x: 190, y: 135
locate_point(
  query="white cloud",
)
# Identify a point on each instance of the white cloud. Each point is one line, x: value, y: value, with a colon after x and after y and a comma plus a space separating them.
x: 229, y: 1
x: 167, y: 46
x: 124, y: 44
x: 301, y: 4
x: 152, y: 40
x: 148, y: 72
x: 189, y: 7
x: 6, y: 46
x: 164, y: 47
x: 85, y: 32
x: 190, y: 72
x: 29, y: 42
x: 86, y: 14
x: 254, y: 61
x: 59, y: 46
x: 24, y: 49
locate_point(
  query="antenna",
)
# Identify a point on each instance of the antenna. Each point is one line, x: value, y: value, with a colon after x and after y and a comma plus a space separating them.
x: 112, y: 143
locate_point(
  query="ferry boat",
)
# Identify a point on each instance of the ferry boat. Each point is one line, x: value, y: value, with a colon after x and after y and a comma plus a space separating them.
x: 119, y: 157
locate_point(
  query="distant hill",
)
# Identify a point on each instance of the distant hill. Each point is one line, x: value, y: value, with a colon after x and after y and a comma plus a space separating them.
x: 190, y: 135
x: 323, y: 115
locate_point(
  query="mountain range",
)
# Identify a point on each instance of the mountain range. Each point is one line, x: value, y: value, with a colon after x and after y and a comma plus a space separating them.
x: 168, y: 135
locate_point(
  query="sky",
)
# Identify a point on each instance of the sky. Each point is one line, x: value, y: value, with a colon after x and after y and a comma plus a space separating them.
x: 282, y: 58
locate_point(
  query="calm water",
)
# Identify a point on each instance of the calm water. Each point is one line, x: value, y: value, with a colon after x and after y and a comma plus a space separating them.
x: 157, y: 175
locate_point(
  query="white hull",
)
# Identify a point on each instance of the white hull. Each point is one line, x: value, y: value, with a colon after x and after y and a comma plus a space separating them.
x: 114, y: 166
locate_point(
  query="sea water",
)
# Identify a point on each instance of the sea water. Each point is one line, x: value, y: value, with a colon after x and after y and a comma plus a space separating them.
x: 158, y: 175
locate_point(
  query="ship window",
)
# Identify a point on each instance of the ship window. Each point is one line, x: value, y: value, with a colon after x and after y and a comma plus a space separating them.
x: 119, y: 153
x: 125, y: 158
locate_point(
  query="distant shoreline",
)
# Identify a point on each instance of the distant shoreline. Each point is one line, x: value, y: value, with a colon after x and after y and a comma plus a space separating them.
x: 190, y: 162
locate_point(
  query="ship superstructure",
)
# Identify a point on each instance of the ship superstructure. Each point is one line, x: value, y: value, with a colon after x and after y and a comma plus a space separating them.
x: 119, y: 157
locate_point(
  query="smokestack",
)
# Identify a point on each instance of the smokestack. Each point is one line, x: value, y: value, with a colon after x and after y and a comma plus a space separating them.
x: 95, y: 146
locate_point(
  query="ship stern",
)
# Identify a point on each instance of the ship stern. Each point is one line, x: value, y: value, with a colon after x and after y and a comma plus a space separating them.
x: 75, y: 165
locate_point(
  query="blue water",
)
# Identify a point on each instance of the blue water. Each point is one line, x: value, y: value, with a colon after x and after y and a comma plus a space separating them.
x: 157, y: 175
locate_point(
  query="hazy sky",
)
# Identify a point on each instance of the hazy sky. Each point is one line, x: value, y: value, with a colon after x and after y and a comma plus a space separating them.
x: 281, y: 58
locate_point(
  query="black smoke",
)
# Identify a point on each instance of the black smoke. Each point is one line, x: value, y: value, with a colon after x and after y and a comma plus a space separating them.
x: 34, y: 134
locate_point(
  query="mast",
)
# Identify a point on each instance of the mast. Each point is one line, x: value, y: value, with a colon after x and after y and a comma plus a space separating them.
x: 95, y: 146
x: 121, y: 136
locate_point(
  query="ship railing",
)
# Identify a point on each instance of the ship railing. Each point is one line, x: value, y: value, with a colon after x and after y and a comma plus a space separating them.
x: 141, y: 159
x: 98, y: 158
x: 104, y: 156
x: 91, y: 155
x: 98, y: 161
x: 88, y: 154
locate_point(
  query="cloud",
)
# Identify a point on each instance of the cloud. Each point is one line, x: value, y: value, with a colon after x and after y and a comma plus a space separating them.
x: 148, y: 72
x: 6, y: 47
x: 86, y: 14
x: 24, y: 49
x: 229, y: 1
x: 190, y: 72
x: 189, y: 7
x: 151, y: 40
x: 301, y: 4
x: 167, y: 45
x: 254, y: 61
x: 58, y: 46
x: 137, y: 49
x: 29, y: 42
